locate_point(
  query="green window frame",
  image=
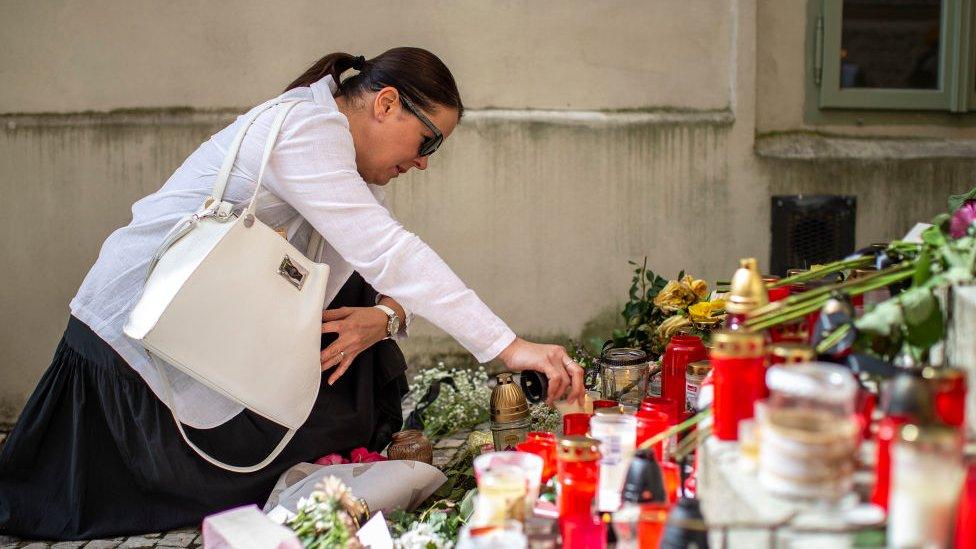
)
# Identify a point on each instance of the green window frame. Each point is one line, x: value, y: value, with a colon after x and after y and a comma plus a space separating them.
x: 956, y: 90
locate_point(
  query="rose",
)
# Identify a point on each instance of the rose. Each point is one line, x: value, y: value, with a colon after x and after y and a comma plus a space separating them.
x: 331, y: 459
x: 678, y: 294
x: 962, y: 219
x: 362, y: 455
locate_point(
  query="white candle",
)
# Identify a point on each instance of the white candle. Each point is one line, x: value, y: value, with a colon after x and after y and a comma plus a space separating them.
x: 617, y: 434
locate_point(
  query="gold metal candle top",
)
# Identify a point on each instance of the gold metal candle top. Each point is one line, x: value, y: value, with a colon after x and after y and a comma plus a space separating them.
x: 793, y: 353
x: 748, y: 289
x: 737, y: 344
x: 578, y: 448
x: 508, y: 402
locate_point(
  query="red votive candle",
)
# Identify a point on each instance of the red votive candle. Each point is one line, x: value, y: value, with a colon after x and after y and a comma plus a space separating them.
x: 576, y: 424
x: 738, y: 360
x: 949, y: 390
x: 650, y: 422
x: 681, y: 350
x: 605, y: 404
x: 578, y: 472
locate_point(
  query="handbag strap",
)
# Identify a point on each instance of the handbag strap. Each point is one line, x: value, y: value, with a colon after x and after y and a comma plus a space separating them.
x: 276, y: 125
x: 223, y: 176
x: 168, y: 389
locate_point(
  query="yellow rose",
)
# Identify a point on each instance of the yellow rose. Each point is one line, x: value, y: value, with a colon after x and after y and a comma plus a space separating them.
x: 698, y: 286
x: 675, y: 296
x: 671, y: 326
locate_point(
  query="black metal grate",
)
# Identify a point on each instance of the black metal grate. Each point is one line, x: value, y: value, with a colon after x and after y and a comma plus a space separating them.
x: 810, y: 230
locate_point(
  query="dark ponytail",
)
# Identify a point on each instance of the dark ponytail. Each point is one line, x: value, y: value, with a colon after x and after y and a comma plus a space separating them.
x: 415, y: 72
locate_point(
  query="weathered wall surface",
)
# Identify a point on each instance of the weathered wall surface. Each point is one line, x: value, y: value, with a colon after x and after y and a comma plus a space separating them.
x: 539, y: 198
x: 572, y: 54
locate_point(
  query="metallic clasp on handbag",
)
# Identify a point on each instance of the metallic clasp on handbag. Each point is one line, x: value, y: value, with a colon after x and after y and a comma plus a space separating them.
x: 292, y: 272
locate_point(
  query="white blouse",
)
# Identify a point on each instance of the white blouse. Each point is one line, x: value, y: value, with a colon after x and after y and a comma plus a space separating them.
x: 311, y: 182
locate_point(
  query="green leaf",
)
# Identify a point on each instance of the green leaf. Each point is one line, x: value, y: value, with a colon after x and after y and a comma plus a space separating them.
x: 681, y: 274
x: 882, y: 320
x: 934, y: 236
x: 922, y: 317
x: 957, y: 200
x: 923, y: 267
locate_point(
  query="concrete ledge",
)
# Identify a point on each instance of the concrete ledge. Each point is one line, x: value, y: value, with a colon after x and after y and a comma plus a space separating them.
x: 816, y: 147
x: 189, y: 116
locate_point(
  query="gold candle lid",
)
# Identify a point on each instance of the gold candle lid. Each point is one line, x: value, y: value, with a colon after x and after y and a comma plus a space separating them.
x: 737, y: 344
x: 932, y: 437
x: 792, y: 353
x: 578, y: 448
x: 508, y: 402
x: 608, y: 410
x: 699, y: 368
x: 748, y: 289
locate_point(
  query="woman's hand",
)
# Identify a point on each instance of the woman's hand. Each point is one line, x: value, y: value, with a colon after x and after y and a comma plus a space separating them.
x: 359, y: 328
x: 563, y: 372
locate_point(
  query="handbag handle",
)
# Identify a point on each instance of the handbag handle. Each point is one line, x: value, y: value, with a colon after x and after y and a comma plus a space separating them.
x: 168, y: 389
x: 223, y: 176
x: 268, y: 147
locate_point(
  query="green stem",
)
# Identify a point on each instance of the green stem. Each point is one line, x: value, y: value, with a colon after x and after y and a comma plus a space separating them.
x: 824, y: 270
x: 794, y: 309
x: 833, y: 338
x: 671, y: 431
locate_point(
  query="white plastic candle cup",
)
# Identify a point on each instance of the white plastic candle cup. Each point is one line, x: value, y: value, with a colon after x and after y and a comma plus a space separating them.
x: 617, y: 434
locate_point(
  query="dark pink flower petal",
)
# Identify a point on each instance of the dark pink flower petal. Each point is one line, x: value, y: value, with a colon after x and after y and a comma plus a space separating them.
x: 962, y: 219
x: 331, y: 459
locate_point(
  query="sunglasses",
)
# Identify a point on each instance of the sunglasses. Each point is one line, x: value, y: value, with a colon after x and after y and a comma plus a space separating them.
x: 430, y: 144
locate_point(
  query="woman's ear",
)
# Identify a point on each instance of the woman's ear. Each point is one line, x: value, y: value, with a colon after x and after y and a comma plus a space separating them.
x: 386, y: 103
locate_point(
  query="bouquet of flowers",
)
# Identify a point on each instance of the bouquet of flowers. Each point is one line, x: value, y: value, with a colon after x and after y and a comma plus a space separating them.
x: 329, y: 517
x: 659, y: 308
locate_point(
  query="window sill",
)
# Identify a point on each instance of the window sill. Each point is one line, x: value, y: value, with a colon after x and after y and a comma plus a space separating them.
x: 805, y: 146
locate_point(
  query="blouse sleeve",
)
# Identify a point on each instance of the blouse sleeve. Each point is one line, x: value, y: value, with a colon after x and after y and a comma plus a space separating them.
x: 313, y: 168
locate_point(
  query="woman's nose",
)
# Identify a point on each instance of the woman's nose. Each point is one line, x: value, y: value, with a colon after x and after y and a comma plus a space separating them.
x: 420, y: 162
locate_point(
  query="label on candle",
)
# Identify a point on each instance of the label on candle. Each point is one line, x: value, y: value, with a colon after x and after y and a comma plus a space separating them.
x: 612, y: 449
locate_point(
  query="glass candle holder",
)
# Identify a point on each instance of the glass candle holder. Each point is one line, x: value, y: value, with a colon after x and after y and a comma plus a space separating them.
x: 578, y: 473
x: 624, y: 372
x: 927, y: 477
x: 617, y: 434
x: 502, y: 496
x: 528, y: 465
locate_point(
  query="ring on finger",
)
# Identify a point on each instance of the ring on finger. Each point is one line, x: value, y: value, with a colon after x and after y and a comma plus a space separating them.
x: 342, y: 354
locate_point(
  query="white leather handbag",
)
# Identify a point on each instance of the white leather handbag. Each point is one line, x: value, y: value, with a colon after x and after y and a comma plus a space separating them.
x: 237, y: 307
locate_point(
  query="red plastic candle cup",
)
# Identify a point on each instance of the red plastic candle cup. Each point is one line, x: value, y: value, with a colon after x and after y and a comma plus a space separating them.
x: 576, y: 424
x: 681, y: 351
x: 738, y: 360
x: 672, y: 479
x: 887, y: 432
x: 666, y: 405
x: 578, y: 472
x: 778, y: 293
x: 605, y: 404
x: 548, y: 442
x: 949, y: 390
x: 966, y: 513
x: 649, y: 423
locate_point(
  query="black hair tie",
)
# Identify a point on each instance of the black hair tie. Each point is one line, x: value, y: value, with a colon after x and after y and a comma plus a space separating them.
x: 358, y: 62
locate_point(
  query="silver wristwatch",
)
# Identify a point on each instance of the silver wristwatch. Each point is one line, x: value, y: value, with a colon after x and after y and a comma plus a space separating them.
x: 392, y: 321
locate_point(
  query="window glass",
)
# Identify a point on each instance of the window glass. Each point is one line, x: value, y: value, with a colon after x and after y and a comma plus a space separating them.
x: 890, y: 44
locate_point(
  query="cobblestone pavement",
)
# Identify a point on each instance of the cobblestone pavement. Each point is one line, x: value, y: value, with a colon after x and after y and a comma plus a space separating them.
x: 444, y: 450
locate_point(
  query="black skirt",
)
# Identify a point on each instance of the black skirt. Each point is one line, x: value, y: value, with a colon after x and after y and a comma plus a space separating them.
x: 96, y: 454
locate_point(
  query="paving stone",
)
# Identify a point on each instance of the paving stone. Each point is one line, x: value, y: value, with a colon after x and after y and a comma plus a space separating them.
x: 104, y: 543
x: 138, y: 542
x: 67, y: 544
x: 179, y: 538
x: 13, y: 545
x: 449, y: 443
x: 37, y: 545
